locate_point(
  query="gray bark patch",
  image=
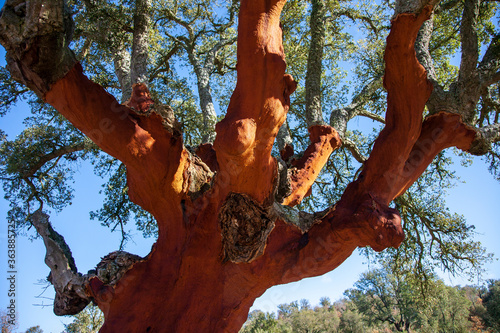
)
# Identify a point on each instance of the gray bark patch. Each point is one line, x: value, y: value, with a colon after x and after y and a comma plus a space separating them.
x: 114, y: 265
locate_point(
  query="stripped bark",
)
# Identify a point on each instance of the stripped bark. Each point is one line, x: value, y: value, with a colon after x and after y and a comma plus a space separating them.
x: 121, y: 63
x: 324, y: 139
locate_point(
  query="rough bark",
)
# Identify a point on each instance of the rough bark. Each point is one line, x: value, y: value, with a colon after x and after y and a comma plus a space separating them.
x: 71, y: 296
x: 140, y: 43
x: 314, y: 114
x: 206, y: 101
x: 222, y: 237
x: 472, y: 82
x: 285, y: 142
x: 121, y: 63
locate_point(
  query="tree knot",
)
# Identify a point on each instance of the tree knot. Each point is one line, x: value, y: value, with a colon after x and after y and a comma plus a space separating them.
x: 245, y: 226
x: 142, y: 104
x: 114, y: 265
x: 384, y: 225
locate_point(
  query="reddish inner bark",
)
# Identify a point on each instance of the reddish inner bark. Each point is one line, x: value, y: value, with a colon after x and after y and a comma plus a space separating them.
x: 324, y: 140
x: 184, y: 285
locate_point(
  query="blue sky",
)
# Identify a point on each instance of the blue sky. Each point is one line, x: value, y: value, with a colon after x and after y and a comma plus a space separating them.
x: 476, y: 198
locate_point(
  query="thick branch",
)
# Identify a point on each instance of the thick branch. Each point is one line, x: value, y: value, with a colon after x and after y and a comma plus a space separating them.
x: 340, y: 117
x: 121, y: 61
x: 408, y: 90
x: 467, y: 86
x: 489, y: 68
x: 258, y: 105
x: 472, y: 81
x: 36, y: 35
x: 74, y: 290
x: 285, y: 142
x: 422, y: 49
x: 37, y: 48
x: 71, y: 296
x: 143, y: 136
x: 469, y: 40
x: 55, y: 154
x: 206, y: 101
x: 314, y: 114
x: 439, y: 131
x: 439, y: 99
x: 324, y: 140
x: 485, y: 137
x: 138, y: 68
x: 316, y: 244
x: 99, y: 116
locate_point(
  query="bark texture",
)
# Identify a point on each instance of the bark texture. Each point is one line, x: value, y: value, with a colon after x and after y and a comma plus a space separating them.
x: 314, y: 114
x: 223, y: 238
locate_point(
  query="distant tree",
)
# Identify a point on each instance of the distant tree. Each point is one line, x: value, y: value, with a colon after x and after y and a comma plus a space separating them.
x: 449, y: 310
x: 286, y: 310
x: 491, y: 301
x: 381, y: 296
x: 260, y: 322
x: 314, y: 321
x: 351, y: 321
x: 297, y: 319
x: 396, y: 296
x: 325, y: 302
x: 34, y: 329
x: 305, y: 304
x: 7, y: 323
x: 89, y: 320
